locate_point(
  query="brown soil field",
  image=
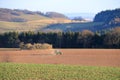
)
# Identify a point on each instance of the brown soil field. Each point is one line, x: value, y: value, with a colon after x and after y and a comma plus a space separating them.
x: 86, y: 57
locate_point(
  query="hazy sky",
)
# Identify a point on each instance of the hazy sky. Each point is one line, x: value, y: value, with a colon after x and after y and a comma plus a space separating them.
x: 63, y: 6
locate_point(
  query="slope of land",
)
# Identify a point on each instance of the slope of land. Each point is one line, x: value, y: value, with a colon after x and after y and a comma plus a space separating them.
x: 24, y: 20
x: 17, y: 15
x: 75, y: 27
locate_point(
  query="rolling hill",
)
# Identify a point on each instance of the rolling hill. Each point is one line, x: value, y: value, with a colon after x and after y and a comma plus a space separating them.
x: 24, y: 20
x: 17, y: 15
x: 20, y: 15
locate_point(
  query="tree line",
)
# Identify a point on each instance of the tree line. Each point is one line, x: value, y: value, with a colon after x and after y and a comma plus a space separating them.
x: 84, y: 39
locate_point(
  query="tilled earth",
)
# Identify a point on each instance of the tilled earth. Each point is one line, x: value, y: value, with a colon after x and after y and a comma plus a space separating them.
x: 86, y: 57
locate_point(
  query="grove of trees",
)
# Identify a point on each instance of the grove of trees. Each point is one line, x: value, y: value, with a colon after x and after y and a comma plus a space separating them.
x: 84, y: 39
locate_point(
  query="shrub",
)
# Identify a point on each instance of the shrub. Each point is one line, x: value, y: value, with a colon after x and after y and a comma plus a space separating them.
x: 37, y: 46
x: 21, y: 45
x: 46, y: 46
x: 30, y: 46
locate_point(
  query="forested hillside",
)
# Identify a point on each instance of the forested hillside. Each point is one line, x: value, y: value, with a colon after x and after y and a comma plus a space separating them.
x: 109, y: 17
x: 103, y: 22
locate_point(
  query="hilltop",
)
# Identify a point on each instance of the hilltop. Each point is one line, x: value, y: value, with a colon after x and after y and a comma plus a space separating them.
x: 17, y: 15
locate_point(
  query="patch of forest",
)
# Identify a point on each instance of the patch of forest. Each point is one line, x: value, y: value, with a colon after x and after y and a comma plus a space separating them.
x: 84, y: 39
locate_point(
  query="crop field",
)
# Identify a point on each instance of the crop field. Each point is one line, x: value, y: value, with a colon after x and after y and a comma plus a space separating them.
x: 14, y: 71
x: 86, y: 57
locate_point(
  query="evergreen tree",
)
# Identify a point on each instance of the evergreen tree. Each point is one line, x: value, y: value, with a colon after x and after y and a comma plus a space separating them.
x: 11, y: 40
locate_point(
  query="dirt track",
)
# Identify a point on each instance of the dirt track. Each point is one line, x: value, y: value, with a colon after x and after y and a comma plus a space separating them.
x: 92, y: 57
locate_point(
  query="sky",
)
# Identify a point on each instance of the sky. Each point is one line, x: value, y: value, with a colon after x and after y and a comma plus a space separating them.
x: 62, y: 6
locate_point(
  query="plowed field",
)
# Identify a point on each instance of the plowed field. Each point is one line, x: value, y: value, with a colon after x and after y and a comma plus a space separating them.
x: 92, y: 57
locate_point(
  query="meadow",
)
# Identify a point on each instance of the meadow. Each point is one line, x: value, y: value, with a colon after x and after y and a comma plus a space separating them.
x: 14, y: 71
x: 33, y: 25
x: 21, y: 26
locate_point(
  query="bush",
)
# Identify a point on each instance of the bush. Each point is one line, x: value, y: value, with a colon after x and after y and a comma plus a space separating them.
x: 30, y: 46
x: 37, y: 46
x: 46, y: 46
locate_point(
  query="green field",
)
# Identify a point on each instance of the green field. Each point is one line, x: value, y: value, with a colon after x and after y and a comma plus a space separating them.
x: 12, y: 71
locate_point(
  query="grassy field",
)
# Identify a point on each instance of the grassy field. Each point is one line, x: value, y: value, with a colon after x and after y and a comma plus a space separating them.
x: 12, y: 71
x: 33, y: 25
x: 21, y: 26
